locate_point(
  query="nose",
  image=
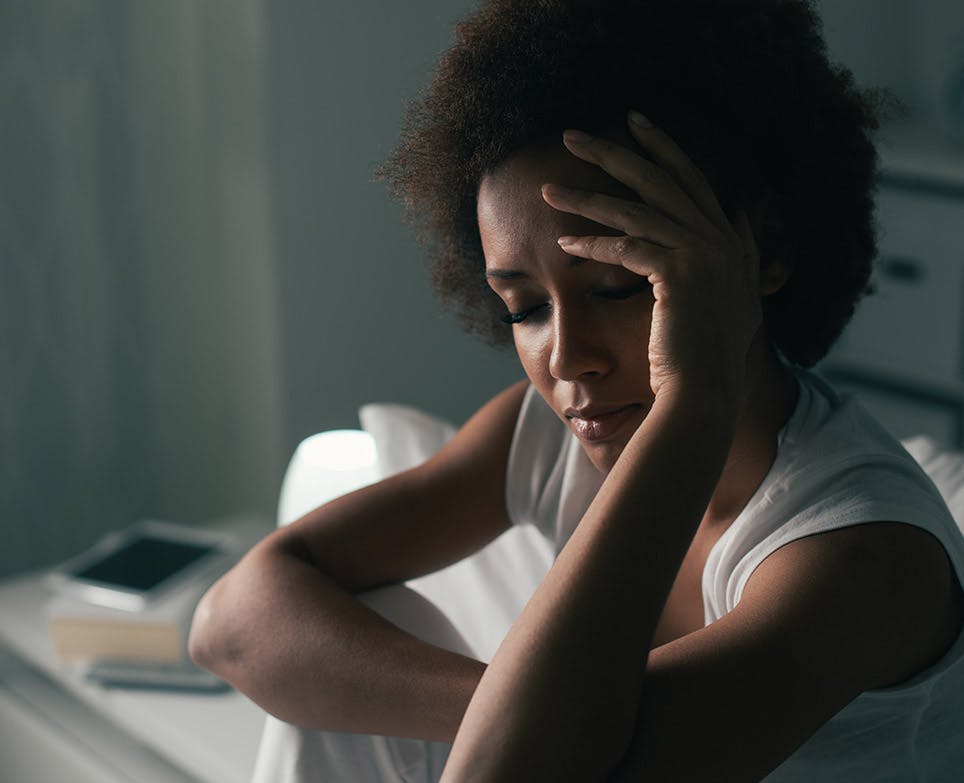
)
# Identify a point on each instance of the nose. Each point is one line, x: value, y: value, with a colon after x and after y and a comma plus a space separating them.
x: 578, y: 348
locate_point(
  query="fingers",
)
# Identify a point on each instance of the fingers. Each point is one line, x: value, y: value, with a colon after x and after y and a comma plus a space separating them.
x: 680, y: 216
x: 653, y: 185
x: 635, y: 254
x: 670, y: 157
x: 630, y: 217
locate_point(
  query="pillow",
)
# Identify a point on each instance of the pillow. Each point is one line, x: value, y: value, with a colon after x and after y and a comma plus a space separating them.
x: 404, y: 436
x: 482, y: 594
x: 945, y: 468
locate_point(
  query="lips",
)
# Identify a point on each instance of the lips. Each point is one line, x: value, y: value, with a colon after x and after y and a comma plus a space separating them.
x: 593, y: 423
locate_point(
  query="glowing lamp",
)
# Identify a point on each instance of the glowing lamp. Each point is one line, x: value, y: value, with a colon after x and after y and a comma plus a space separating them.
x: 326, y: 466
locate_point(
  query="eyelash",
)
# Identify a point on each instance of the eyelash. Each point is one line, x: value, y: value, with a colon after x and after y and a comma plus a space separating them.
x: 617, y: 294
x: 518, y: 318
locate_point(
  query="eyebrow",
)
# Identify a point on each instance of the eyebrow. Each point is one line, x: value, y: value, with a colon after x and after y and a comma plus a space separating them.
x: 515, y: 274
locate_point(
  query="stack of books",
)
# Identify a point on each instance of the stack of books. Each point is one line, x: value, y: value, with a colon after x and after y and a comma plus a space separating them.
x: 83, y: 631
x: 123, y: 609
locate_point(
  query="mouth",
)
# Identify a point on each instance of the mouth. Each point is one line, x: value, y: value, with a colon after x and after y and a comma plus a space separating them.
x: 594, y: 423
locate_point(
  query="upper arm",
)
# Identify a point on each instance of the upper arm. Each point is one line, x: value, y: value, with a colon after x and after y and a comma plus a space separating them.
x: 422, y: 519
x: 820, y: 621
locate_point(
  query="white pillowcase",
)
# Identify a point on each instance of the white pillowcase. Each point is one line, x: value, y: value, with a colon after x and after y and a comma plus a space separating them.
x: 483, y: 594
x: 404, y: 436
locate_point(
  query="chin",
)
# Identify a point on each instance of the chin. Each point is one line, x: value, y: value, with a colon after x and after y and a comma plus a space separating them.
x: 603, y: 455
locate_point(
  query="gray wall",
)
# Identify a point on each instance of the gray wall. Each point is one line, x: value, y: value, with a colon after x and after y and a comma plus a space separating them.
x: 139, y: 363
x: 359, y: 323
x: 912, y: 46
x: 197, y: 269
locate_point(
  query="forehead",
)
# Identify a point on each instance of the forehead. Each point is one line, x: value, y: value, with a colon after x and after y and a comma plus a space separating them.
x: 552, y: 162
x: 510, y: 204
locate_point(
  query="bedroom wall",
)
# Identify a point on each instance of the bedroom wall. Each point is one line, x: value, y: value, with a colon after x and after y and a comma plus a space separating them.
x: 359, y: 323
x: 139, y: 371
x: 189, y: 239
x: 911, y: 46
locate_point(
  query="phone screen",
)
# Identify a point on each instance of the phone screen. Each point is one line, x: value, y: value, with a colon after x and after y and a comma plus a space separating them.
x: 143, y: 563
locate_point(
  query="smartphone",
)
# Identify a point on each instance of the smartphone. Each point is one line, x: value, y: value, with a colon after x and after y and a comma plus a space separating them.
x: 129, y: 569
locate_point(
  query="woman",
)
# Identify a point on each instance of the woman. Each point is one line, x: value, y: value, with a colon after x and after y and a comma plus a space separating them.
x: 753, y: 579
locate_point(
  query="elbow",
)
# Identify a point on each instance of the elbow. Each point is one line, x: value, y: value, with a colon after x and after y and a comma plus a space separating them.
x: 209, y: 642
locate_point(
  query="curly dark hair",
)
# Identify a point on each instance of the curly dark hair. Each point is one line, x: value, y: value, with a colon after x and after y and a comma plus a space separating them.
x: 744, y: 86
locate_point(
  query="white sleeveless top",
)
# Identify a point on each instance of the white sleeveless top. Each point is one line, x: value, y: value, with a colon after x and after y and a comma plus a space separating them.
x: 835, y: 467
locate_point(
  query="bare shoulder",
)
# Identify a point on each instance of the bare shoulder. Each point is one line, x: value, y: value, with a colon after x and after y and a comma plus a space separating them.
x: 880, y: 599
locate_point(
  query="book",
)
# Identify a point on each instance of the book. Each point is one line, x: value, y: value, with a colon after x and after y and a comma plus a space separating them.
x: 82, y: 631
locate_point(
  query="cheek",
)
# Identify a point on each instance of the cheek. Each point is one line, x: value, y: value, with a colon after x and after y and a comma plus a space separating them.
x: 626, y: 333
x: 533, y: 351
x: 634, y: 335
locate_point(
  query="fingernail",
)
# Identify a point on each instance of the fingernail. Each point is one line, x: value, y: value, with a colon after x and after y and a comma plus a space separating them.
x: 576, y: 136
x: 566, y: 241
x: 639, y: 120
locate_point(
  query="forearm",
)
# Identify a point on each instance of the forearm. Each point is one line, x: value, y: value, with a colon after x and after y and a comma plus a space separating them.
x: 311, y: 654
x: 559, y: 699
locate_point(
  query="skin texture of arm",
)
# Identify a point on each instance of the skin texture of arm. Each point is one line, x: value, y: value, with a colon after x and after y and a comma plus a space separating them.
x: 283, y: 625
x: 806, y: 638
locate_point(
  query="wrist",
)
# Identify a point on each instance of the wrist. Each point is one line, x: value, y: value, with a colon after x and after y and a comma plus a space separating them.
x: 709, y: 402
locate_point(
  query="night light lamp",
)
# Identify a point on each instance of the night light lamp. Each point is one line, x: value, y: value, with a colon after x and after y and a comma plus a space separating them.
x: 326, y: 466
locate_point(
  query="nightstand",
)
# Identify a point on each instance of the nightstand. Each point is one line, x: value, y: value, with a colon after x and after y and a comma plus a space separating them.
x: 56, y: 726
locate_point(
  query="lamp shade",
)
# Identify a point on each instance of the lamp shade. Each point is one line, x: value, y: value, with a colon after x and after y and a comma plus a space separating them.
x: 325, y: 466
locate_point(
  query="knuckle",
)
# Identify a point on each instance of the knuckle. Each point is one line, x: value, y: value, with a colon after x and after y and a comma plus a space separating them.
x: 622, y: 247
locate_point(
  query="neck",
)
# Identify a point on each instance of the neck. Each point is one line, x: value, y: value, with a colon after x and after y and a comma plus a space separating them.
x: 770, y: 400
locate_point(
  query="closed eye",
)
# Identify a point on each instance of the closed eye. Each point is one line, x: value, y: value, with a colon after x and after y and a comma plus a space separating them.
x: 607, y: 293
x: 518, y: 318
